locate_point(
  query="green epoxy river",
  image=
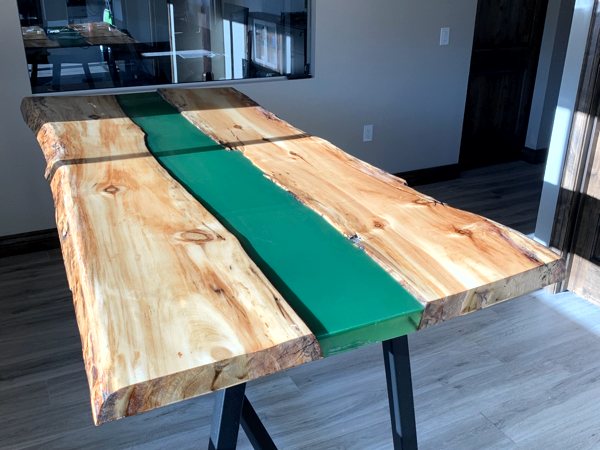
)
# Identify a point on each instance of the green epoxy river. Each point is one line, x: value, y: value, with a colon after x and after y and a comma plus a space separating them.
x: 344, y: 297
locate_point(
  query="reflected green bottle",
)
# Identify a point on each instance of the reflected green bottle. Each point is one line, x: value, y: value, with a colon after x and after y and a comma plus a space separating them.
x: 108, y: 15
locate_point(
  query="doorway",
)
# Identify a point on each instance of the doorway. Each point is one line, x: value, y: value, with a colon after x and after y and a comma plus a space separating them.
x: 506, y: 47
x: 576, y: 230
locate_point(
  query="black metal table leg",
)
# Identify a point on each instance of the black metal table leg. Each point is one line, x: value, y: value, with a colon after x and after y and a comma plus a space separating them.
x: 400, y: 394
x: 255, y: 430
x: 226, y: 418
x: 56, y: 71
x: 233, y: 408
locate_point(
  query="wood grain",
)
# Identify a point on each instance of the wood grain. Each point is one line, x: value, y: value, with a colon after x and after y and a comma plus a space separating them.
x: 308, y: 261
x: 453, y: 261
x: 167, y: 303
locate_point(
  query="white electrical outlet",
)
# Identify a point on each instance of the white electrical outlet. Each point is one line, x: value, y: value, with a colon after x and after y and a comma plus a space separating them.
x: 444, y: 36
x: 367, y: 133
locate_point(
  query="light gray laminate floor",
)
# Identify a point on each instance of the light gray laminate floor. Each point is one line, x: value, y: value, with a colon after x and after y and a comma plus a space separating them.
x: 523, y: 374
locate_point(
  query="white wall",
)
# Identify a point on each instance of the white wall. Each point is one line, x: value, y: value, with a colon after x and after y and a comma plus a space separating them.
x: 380, y: 63
x: 25, y: 200
x: 376, y: 62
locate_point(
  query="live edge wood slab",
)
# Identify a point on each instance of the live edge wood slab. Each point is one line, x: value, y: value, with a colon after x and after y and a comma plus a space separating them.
x: 168, y: 303
x: 344, y: 297
x: 452, y: 261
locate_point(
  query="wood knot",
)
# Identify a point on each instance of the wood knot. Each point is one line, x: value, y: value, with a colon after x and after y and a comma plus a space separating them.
x: 216, y: 289
x: 296, y: 155
x: 423, y: 201
x: 65, y: 232
x: 379, y: 224
x: 268, y: 115
x: 463, y: 231
x: 239, y: 127
x: 220, y: 353
x: 198, y: 236
x: 111, y: 189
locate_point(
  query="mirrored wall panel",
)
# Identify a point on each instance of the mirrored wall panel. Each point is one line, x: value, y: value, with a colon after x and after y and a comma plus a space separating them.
x: 95, y: 44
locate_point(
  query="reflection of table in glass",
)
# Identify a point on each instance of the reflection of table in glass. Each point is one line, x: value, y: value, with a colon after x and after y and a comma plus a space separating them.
x: 84, y: 44
x: 100, y: 33
x: 36, y: 37
x: 95, y: 33
x: 294, y: 251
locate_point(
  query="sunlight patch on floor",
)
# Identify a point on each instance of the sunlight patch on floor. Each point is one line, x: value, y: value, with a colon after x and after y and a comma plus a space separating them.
x: 575, y: 308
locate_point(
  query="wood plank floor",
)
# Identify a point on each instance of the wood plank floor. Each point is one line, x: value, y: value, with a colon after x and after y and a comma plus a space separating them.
x: 507, y: 193
x: 524, y: 374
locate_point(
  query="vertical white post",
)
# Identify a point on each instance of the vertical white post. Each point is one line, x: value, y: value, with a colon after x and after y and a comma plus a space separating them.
x: 174, y: 74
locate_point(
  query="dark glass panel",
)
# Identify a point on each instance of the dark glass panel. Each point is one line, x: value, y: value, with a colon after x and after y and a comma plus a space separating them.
x: 93, y: 44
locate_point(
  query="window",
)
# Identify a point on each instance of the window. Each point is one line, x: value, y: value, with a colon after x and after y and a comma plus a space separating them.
x: 94, y: 44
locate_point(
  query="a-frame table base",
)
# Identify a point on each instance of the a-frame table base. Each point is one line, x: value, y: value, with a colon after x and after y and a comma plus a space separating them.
x: 232, y: 407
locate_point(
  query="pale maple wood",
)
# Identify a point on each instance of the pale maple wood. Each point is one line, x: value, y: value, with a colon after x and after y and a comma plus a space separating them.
x: 168, y: 304
x: 452, y: 261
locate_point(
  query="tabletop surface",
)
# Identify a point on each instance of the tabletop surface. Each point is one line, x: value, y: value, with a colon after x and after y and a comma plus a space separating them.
x: 345, y: 298
x: 211, y: 247
x: 452, y: 261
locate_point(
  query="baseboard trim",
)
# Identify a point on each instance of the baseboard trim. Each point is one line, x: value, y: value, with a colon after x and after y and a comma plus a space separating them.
x: 533, y: 156
x: 431, y: 174
x: 35, y: 241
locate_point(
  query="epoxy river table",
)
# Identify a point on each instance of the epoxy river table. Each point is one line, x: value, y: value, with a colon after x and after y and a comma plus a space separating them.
x: 208, y: 243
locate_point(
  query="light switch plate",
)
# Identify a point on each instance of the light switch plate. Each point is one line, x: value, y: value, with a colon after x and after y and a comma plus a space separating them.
x: 367, y: 133
x: 444, y: 36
